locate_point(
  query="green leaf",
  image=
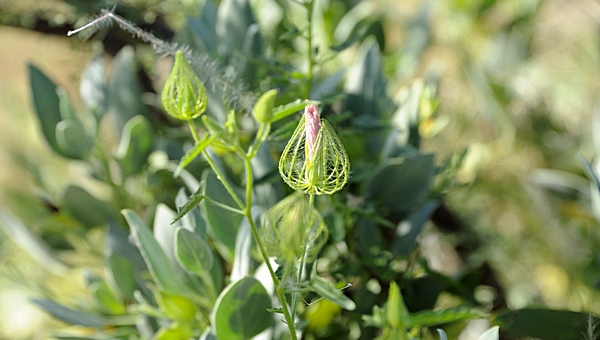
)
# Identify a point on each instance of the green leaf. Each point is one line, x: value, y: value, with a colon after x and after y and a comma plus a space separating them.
x: 191, y: 219
x: 71, y: 316
x: 252, y: 48
x: 545, y: 323
x: 175, y: 331
x: 283, y: 111
x: 105, y: 299
x: 396, y: 312
x: 402, y: 182
x: 242, y: 260
x: 46, y: 104
x: 192, y: 153
x: 124, y: 92
x: 194, y: 201
x: 203, y: 36
x: 67, y: 111
x: 93, y: 87
x: 442, y: 334
x: 192, y: 252
x: 158, y: 264
x: 86, y: 208
x: 241, y: 310
x: 175, y: 306
x: 72, y: 140
x: 325, y: 289
x: 233, y: 19
x: 135, y: 145
x: 223, y: 224
x: 433, y: 318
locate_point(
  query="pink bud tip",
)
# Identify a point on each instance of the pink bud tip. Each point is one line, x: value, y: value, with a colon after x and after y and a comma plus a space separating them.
x: 313, y: 126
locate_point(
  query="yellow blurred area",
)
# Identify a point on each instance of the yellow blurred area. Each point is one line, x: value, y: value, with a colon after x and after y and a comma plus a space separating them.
x: 321, y: 313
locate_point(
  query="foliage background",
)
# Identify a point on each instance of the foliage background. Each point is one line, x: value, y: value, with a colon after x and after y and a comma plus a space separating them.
x: 518, y: 85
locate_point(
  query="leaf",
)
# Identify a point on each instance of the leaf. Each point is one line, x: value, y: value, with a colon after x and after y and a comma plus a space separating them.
x: 71, y: 316
x: 158, y: 264
x: 46, y: 104
x: 396, y: 312
x: 191, y: 218
x: 72, y: 140
x: 135, y: 145
x: 175, y: 306
x: 233, y: 19
x: 120, y: 274
x: 325, y: 289
x: 402, y: 182
x: 194, y: 201
x: 92, y: 87
x: 442, y: 334
x: 491, y: 334
x: 105, y: 299
x: 242, y: 259
x: 223, y: 224
x: 204, y: 28
x: 30, y: 242
x: 86, y: 208
x: 433, y: 318
x: 408, y: 230
x: 283, y: 111
x: 192, y: 153
x: 124, y: 92
x: 192, y: 252
x: 252, y: 49
x: 241, y: 310
x: 545, y: 323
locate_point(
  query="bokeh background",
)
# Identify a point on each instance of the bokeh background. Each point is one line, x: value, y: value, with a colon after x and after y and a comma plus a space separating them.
x: 518, y: 91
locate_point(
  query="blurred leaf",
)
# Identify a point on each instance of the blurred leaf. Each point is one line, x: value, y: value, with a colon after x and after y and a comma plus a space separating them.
x: 402, y: 182
x: 135, y: 146
x: 124, y: 91
x: 242, y: 258
x: 192, y: 252
x: 86, y: 208
x: 67, y: 111
x: 46, y: 104
x: 252, y: 49
x: 433, y: 318
x: 71, y: 316
x: 442, y: 334
x: 176, y: 307
x: 234, y: 17
x: 105, y: 299
x: 93, y: 87
x: 562, y: 183
x: 545, y: 323
x: 421, y: 293
x: 241, y: 310
x: 223, y: 224
x: 176, y: 331
x: 194, y: 201
x: 491, y: 334
x: 408, y: 230
x: 204, y: 29
x: 72, y: 140
x: 158, y: 264
x: 120, y: 273
x: 325, y: 289
x: 353, y: 26
x: 30, y: 242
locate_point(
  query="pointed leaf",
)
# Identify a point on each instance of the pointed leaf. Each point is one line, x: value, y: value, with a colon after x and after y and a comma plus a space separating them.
x: 325, y: 289
x: 158, y: 263
x: 46, y: 104
x: 72, y: 140
x: 191, y: 218
x: 71, y: 316
x: 194, y: 201
x: 432, y: 318
x: 192, y: 153
x: 93, y: 87
x: 135, y: 145
x: 86, y: 208
x: 283, y: 111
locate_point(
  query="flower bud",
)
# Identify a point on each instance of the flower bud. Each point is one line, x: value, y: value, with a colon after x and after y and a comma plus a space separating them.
x: 263, y: 109
x: 290, y: 226
x: 314, y: 160
x: 184, y: 97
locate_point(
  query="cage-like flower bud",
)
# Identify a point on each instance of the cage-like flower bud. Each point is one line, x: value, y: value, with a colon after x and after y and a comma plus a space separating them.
x: 184, y: 96
x: 314, y: 160
x: 290, y: 227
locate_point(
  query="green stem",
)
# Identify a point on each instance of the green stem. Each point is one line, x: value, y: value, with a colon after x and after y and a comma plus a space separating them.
x: 193, y: 129
x: 286, y: 313
x: 309, y: 38
x: 223, y: 180
x: 225, y: 206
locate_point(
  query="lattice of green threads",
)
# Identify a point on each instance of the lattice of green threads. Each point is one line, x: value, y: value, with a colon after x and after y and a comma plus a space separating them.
x: 290, y: 226
x: 184, y: 96
x: 325, y: 172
